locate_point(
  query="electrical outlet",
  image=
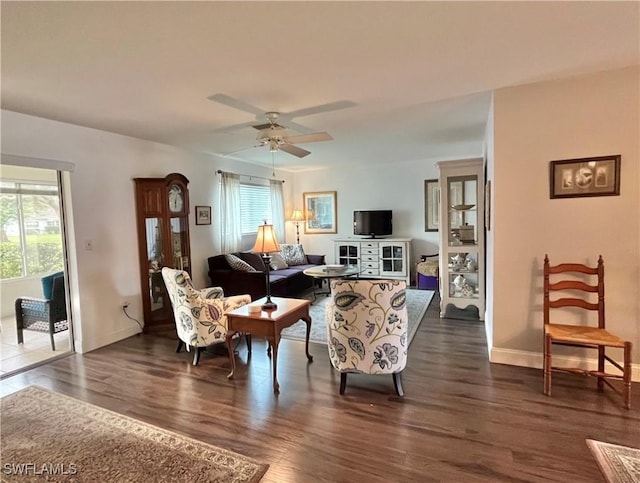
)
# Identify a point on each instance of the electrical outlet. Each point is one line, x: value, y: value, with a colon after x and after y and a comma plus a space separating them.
x: 125, y: 305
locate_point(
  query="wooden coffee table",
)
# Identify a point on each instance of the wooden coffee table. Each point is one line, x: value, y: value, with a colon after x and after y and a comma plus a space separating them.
x: 268, y: 324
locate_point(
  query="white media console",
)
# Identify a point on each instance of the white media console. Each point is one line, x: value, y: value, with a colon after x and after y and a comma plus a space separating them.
x: 377, y: 257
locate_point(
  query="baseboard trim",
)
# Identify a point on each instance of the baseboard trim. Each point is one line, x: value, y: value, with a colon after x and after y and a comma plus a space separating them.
x: 520, y: 358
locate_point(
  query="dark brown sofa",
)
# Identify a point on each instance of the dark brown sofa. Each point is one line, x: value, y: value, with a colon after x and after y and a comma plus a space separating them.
x: 287, y: 282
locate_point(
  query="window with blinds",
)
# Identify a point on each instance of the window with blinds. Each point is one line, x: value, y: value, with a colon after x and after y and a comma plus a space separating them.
x: 255, y: 206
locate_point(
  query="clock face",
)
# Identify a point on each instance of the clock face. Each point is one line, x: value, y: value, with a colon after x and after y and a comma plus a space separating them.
x: 176, y: 199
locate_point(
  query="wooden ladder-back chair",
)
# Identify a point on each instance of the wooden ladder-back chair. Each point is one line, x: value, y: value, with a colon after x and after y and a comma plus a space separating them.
x: 574, y: 291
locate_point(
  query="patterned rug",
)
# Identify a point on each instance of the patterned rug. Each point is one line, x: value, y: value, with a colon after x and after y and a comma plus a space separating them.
x: 618, y: 464
x: 47, y: 436
x: 417, y: 303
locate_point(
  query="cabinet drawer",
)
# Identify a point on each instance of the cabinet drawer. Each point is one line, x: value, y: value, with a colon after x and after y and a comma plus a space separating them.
x: 367, y: 265
x: 369, y: 251
x: 370, y: 271
x: 370, y: 258
x: 369, y: 245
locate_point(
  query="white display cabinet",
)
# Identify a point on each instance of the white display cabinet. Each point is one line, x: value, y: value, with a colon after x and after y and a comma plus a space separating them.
x: 376, y: 258
x: 462, y: 237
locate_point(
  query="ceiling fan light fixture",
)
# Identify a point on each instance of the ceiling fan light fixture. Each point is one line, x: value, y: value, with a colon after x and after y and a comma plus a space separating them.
x: 275, y: 133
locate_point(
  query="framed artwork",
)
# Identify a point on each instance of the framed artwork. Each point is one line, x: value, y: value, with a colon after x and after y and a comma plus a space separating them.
x: 572, y: 178
x: 320, y: 212
x: 203, y: 215
x: 487, y: 206
x: 431, y: 205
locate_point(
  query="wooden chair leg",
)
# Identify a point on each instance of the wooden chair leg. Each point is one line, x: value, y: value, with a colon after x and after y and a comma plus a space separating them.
x: 600, y: 367
x: 397, y: 382
x: 627, y: 375
x: 547, y: 365
x: 180, y: 344
x: 53, y: 342
x: 248, y: 340
x: 343, y: 382
x: 196, y: 355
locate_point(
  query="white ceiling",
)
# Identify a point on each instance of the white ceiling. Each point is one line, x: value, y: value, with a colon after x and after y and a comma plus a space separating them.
x: 419, y: 75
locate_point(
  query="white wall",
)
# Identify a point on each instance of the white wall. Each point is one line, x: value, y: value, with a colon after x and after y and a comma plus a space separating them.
x: 578, y: 117
x: 394, y: 186
x: 102, y: 204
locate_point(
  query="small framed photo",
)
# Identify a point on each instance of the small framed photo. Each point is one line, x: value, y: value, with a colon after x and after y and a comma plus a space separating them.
x: 203, y: 215
x: 431, y: 205
x: 572, y: 178
x: 320, y: 212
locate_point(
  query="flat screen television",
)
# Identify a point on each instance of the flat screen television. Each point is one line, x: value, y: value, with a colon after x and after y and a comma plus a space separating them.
x: 372, y: 223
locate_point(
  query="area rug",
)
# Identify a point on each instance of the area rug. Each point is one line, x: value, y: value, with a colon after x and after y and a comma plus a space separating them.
x: 47, y: 436
x: 618, y: 464
x: 417, y: 303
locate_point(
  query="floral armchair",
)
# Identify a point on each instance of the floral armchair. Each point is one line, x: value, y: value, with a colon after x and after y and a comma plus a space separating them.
x: 367, y: 328
x: 199, y: 314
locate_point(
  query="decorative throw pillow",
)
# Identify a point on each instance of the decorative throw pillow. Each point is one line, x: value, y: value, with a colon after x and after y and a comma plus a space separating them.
x: 293, y: 254
x: 238, y: 264
x: 278, y: 262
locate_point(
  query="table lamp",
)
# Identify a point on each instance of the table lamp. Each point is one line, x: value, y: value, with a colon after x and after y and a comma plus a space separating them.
x: 297, y: 217
x: 266, y: 243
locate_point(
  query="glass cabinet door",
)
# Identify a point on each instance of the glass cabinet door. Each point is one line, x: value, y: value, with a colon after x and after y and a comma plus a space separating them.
x: 392, y: 257
x: 155, y: 258
x: 348, y: 254
x: 463, y: 211
x: 179, y: 244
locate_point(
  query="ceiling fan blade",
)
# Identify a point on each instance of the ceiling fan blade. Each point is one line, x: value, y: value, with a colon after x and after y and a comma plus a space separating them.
x: 236, y: 104
x: 295, y: 150
x: 261, y: 127
x: 310, y: 138
x: 330, y: 106
x: 235, y: 127
x: 242, y: 149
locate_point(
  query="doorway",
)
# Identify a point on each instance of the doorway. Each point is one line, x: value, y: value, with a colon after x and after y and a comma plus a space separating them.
x: 32, y: 249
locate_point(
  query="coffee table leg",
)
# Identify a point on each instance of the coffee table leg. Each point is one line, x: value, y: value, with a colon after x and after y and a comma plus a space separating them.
x: 273, y: 342
x: 307, y: 321
x: 231, y: 355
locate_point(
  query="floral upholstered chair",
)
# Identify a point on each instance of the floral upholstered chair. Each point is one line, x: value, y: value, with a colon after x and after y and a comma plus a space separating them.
x: 199, y: 314
x: 367, y: 328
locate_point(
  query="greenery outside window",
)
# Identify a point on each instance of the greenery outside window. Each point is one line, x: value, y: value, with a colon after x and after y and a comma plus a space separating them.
x: 30, y: 235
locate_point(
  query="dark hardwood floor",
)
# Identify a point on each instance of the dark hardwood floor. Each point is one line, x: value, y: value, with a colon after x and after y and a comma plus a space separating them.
x: 461, y: 420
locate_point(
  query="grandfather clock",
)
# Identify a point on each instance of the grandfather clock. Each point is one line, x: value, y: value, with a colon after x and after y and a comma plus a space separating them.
x: 162, y: 207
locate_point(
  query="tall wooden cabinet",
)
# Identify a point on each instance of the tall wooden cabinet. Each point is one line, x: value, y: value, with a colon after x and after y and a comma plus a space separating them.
x: 162, y: 207
x: 462, y: 239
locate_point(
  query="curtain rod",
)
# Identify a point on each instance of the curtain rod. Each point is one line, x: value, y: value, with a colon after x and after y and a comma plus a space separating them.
x: 251, y: 176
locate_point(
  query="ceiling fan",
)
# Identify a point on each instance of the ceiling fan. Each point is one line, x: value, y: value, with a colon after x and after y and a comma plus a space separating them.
x: 273, y: 134
x: 276, y: 138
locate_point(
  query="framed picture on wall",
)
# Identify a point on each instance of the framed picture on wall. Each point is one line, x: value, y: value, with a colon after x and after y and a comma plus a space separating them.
x: 431, y: 205
x: 203, y: 215
x: 320, y: 212
x: 572, y: 178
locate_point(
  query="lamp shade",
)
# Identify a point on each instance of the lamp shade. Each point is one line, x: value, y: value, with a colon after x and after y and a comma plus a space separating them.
x: 266, y: 241
x: 297, y: 215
